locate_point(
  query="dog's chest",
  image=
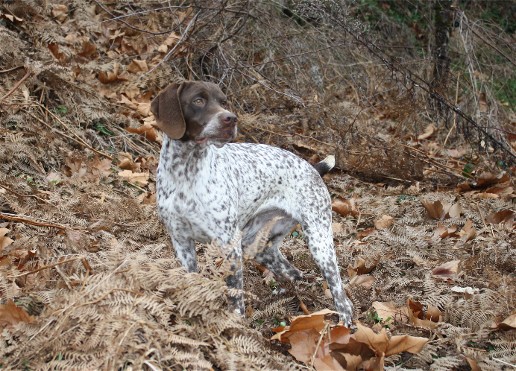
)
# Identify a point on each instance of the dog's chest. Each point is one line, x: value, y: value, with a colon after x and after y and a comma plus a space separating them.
x: 203, y: 206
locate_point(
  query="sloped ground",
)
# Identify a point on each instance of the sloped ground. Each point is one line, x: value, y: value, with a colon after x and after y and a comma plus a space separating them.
x: 89, y: 279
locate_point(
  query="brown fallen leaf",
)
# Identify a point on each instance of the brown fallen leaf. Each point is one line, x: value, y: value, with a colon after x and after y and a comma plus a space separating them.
x: 364, y: 280
x: 147, y: 198
x: 304, y: 344
x: 361, y: 266
x: 60, y: 12
x: 141, y: 179
x: 453, y: 211
x: 126, y: 162
x: 171, y: 39
x: 434, y: 209
x: 137, y: 65
x: 146, y: 130
x: 384, y: 222
x: 4, y: 241
x: 11, y: 314
x: 500, y: 190
x: 473, y: 364
x: 419, y: 316
x: 443, y: 232
x: 405, y: 343
x: 88, y: 49
x: 438, y: 210
x: 111, y: 75
x: 101, y: 168
x: 304, y: 333
x: 446, y: 270
x: 345, y: 207
x: 381, y: 345
x: 315, y: 341
x: 487, y: 179
x: 429, y: 131
x: 300, y: 323
x: 388, y: 311
x: 54, y: 49
x: 504, y: 216
x: 509, y: 323
x: 366, y: 232
x: 468, y: 232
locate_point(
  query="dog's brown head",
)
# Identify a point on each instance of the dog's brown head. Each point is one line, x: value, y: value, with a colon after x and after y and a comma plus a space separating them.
x: 194, y: 111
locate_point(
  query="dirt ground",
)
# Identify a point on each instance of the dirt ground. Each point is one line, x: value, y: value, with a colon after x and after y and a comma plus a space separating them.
x: 89, y: 279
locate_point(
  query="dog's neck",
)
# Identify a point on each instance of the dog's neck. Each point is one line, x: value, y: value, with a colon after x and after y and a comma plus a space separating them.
x: 185, y: 159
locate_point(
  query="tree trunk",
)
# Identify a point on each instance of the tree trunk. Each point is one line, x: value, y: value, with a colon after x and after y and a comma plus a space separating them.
x: 443, y: 27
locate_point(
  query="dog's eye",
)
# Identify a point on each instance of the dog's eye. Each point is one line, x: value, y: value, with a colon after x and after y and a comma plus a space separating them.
x: 199, y: 102
x: 224, y: 103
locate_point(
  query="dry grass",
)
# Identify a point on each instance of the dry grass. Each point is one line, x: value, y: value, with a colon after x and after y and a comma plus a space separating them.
x: 90, y: 261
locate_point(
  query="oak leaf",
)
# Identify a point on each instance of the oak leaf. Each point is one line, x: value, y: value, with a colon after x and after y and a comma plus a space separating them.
x: 146, y: 130
x: 11, y: 314
x: 345, y: 207
x: 140, y: 179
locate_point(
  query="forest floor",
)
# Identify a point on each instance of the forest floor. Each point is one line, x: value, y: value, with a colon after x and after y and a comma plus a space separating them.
x: 89, y: 279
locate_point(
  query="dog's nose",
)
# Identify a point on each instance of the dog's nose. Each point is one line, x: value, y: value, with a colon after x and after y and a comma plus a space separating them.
x: 229, y: 118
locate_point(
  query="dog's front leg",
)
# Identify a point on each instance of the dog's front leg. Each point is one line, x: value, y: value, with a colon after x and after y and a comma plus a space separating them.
x: 185, y: 252
x: 235, y: 279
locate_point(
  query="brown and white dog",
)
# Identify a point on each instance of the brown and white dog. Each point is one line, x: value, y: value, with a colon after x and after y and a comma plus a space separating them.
x: 210, y: 190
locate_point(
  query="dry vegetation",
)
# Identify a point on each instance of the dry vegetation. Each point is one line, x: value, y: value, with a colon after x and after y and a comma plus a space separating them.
x: 423, y: 191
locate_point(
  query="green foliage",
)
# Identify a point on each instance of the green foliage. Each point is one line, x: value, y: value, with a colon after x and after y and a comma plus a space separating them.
x: 468, y: 170
x: 374, y: 317
x: 499, y: 12
x: 403, y: 198
x: 506, y: 92
x: 61, y: 110
x: 102, y: 129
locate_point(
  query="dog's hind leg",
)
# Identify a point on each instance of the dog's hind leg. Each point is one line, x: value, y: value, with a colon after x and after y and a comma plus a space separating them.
x: 320, y: 242
x: 262, y: 237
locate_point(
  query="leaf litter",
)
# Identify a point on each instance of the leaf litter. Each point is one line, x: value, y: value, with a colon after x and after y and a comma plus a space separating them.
x: 88, y: 278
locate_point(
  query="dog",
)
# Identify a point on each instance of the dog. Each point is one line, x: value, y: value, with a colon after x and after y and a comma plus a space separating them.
x: 237, y: 195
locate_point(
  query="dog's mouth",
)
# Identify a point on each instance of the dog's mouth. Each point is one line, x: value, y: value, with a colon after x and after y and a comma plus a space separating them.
x: 223, y: 136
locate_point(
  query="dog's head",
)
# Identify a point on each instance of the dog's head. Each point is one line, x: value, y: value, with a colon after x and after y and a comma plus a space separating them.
x: 194, y: 111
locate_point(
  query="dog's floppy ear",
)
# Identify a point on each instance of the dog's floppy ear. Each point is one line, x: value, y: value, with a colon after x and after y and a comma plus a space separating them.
x: 167, y: 110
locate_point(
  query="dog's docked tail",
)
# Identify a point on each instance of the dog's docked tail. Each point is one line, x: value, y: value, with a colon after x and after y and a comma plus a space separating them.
x: 325, y: 165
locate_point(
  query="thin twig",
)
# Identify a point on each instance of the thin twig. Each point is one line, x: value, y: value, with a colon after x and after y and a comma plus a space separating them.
x: 11, y: 69
x: 22, y: 195
x: 491, y: 45
x: 179, y: 42
x: 323, y: 333
x: 79, y: 141
x: 45, y: 267
x: 128, y: 24
x: 17, y: 85
x: 503, y: 362
x: 37, y: 223
x: 454, y: 116
x: 427, y: 159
